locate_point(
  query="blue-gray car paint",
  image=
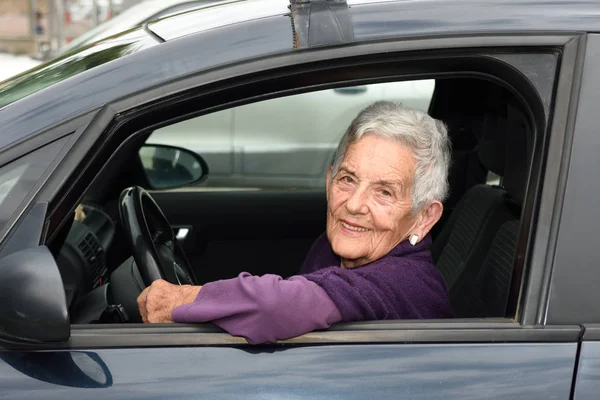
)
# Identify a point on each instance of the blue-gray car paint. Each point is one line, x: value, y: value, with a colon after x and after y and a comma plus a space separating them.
x: 435, y: 371
x: 588, y: 372
x: 587, y: 383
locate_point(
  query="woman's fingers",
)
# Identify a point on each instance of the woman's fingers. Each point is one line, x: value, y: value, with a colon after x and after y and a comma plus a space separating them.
x: 157, y: 302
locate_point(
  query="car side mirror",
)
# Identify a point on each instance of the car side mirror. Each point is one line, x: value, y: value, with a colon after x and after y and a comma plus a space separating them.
x: 169, y: 167
x: 33, y: 306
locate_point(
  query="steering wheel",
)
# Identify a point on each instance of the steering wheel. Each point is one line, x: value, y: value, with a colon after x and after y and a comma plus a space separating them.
x: 155, y: 249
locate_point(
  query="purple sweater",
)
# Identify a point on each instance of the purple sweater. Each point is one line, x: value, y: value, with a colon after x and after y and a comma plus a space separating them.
x: 402, y: 285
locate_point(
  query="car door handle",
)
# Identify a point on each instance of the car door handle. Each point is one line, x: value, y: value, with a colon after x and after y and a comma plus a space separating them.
x: 354, y: 90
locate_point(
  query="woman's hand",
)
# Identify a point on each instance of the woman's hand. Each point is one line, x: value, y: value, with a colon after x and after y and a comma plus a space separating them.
x: 157, y: 302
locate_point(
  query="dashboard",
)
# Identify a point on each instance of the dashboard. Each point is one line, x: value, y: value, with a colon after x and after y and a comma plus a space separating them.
x: 82, y: 259
x: 98, y: 288
x: 101, y: 286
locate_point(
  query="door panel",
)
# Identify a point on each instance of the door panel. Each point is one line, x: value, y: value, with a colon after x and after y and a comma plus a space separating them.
x: 587, y: 382
x: 400, y: 371
x: 256, y: 231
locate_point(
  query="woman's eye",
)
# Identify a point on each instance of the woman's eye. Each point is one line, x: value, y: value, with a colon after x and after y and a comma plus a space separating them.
x: 385, y: 192
x: 347, y: 179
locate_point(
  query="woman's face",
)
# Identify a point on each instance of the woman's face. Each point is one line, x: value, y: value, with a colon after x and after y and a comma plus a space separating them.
x: 369, y: 200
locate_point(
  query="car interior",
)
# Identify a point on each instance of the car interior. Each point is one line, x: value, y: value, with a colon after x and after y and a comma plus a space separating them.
x: 217, y: 234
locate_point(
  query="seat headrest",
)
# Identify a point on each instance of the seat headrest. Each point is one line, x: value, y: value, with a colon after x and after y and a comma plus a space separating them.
x: 505, y: 149
x: 519, y: 147
x: 491, y: 150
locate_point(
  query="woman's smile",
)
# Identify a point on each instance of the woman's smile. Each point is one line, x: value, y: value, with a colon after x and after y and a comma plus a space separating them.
x: 352, y: 228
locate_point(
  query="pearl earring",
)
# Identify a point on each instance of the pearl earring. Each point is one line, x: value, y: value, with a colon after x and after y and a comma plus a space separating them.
x: 413, y: 239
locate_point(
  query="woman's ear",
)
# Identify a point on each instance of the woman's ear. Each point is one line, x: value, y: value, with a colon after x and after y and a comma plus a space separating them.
x: 428, y: 218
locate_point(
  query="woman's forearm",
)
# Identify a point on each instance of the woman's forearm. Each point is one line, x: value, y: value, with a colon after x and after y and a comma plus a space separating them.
x: 262, y: 308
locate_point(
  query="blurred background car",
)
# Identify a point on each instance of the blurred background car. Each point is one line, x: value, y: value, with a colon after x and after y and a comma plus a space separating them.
x: 136, y: 15
x: 46, y: 29
x: 284, y: 142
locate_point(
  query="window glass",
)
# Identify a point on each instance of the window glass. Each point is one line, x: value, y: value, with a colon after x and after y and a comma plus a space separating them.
x: 19, y: 177
x: 286, y: 142
x: 71, y: 64
x: 177, y: 9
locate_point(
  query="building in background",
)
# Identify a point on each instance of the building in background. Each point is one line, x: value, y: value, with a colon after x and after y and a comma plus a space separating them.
x: 20, y: 21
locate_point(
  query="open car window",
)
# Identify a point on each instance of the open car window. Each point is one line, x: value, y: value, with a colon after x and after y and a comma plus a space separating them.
x: 252, y: 178
x: 282, y: 143
x: 256, y: 152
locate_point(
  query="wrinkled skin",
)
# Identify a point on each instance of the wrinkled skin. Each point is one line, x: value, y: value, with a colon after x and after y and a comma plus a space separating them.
x: 369, y: 202
x: 157, y: 302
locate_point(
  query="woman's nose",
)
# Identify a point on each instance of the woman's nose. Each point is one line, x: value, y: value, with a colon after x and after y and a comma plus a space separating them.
x: 356, y: 203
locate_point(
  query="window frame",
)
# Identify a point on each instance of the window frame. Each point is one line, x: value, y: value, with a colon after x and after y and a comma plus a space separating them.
x: 575, y: 259
x: 69, y: 132
x: 115, y: 116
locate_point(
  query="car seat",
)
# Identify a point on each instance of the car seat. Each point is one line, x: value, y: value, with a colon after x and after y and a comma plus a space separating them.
x: 483, y: 223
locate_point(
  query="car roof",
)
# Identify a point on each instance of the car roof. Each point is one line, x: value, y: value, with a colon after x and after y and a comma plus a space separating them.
x: 449, y: 15
x: 217, y: 16
x: 254, y: 32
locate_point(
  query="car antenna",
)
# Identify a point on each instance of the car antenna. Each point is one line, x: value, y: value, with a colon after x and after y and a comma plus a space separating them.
x: 320, y: 23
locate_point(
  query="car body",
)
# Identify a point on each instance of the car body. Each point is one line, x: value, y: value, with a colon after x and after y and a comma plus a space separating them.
x: 72, y: 128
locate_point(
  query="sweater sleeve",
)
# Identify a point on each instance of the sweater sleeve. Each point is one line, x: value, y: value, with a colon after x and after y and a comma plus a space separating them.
x: 262, y: 308
x: 411, y: 291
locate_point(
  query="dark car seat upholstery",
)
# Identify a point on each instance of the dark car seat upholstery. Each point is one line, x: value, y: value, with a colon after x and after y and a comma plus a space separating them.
x: 467, y: 106
x: 497, y: 284
x: 484, y: 220
x: 493, y: 283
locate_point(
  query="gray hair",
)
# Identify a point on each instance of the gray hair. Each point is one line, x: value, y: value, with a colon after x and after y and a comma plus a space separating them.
x: 426, y: 137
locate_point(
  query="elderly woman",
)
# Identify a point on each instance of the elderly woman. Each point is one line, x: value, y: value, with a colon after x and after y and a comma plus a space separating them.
x: 384, y: 194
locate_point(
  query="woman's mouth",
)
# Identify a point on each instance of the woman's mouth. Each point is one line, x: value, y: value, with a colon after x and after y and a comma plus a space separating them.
x: 353, y: 228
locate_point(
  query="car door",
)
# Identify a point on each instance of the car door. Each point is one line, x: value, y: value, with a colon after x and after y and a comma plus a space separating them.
x: 517, y: 357
x: 588, y: 365
x: 573, y: 290
x: 359, y: 371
